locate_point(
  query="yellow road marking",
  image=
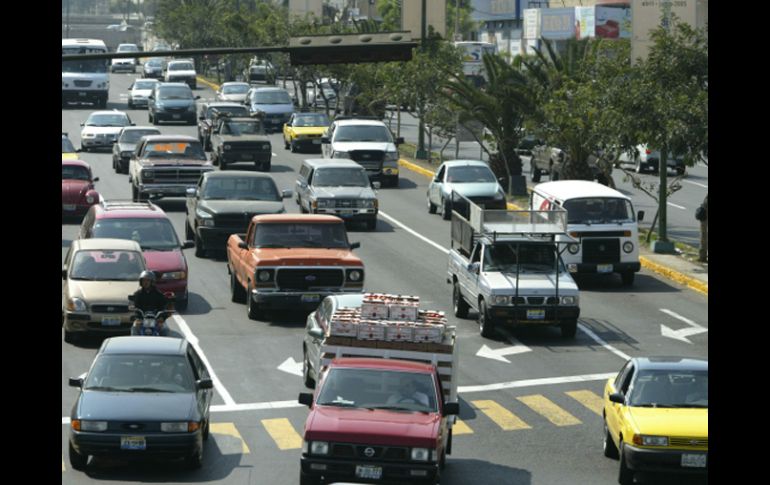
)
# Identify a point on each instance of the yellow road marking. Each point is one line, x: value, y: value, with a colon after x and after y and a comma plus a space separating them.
x: 589, y: 400
x: 62, y: 463
x: 282, y: 432
x: 461, y: 428
x: 547, y: 408
x: 228, y: 429
x: 501, y: 416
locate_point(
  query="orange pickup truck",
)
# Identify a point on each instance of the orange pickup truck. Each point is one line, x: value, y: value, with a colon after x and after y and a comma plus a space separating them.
x: 290, y: 261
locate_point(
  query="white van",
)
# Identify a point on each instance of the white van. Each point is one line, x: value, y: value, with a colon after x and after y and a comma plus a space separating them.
x: 602, y: 219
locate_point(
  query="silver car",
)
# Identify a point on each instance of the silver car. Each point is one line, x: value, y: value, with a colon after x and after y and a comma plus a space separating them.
x: 470, y: 178
x: 139, y: 92
x: 233, y: 91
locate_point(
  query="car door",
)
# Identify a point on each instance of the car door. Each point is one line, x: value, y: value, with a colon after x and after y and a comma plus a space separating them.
x: 469, y: 279
x: 326, y: 148
x: 308, y: 192
x: 287, y: 129
x: 434, y: 189
x: 317, y: 320
x: 614, y: 411
x: 203, y: 396
x: 192, y: 204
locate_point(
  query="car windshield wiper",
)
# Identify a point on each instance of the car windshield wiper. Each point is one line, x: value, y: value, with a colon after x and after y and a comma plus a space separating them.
x: 271, y: 245
x: 215, y: 198
x: 159, y: 248
x: 652, y: 405
x: 344, y: 404
x: 397, y: 408
x: 103, y: 388
x: 82, y: 278
x: 149, y: 389
x: 705, y: 406
x: 310, y: 243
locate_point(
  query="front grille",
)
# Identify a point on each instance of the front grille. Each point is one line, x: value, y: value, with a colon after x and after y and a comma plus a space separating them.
x: 109, y: 308
x: 689, y: 442
x: 306, y: 278
x: 82, y: 84
x: 347, y: 203
x: 248, y: 146
x: 369, y: 159
x: 598, y: 233
x: 601, y: 250
x: 176, y: 109
x: 518, y: 300
x: 238, y: 221
x: 381, y: 453
x: 535, y: 300
x: 177, y: 176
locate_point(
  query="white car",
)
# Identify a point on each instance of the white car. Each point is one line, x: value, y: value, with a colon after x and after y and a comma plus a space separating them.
x: 139, y: 92
x: 645, y: 159
x: 125, y: 64
x: 233, y: 91
x: 101, y: 129
x: 470, y: 178
x: 181, y: 71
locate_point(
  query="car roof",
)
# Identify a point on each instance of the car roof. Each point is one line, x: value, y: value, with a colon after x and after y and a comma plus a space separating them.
x: 575, y: 189
x: 171, y: 138
x: 359, y: 122
x: 108, y: 244
x: 332, y: 162
x: 126, y: 209
x: 108, y: 112
x: 236, y: 174
x: 231, y: 83
x: 672, y: 363
x: 374, y: 363
x: 270, y: 88
x: 144, y: 345
x: 147, y: 79
x: 141, y: 127
x: 227, y: 104
x: 318, y: 218
x: 173, y: 85
x: 466, y: 163
x: 79, y: 163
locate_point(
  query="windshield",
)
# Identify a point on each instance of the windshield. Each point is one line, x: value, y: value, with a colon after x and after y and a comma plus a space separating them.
x: 150, y: 233
x: 74, y: 172
x: 235, y: 89
x: 597, y: 210
x: 301, y: 235
x: 107, y: 120
x: 140, y: 373
x: 240, y: 188
x: 670, y: 388
x: 175, y: 92
x: 340, y: 177
x: 154, y: 62
x: 311, y: 120
x: 182, y: 66
x: 84, y: 66
x: 362, y: 133
x: 175, y: 149
x: 529, y: 257
x: 132, y: 136
x: 127, y: 48
x: 271, y: 97
x: 233, y: 110
x: 242, y: 128
x: 378, y: 389
x: 469, y: 174
x: 66, y: 146
x: 106, y: 265
x: 145, y: 84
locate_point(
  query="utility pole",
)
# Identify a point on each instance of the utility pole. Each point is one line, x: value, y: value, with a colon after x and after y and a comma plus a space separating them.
x: 421, y: 153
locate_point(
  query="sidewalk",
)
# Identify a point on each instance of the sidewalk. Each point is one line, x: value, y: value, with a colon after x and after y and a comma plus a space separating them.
x: 674, y: 267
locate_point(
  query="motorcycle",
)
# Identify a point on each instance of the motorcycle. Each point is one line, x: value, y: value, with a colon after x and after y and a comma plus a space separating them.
x: 149, y: 319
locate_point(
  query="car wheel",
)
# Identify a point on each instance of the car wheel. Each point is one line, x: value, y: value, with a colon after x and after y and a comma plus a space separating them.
x: 130, y: 104
x: 447, y: 210
x: 200, y: 251
x: 309, y: 381
x: 195, y: 461
x: 293, y: 147
x: 77, y: 461
x: 431, y: 207
x: 680, y: 171
x: 188, y: 233
x: 134, y: 193
x: 625, y: 474
x: 252, y: 309
x: 305, y: 479
x: 486, y: 323
x: 627, y: 278
x: 638, y: 167
x: 222, y: 165
x: 555, y: 175
x: 459, y: 305
x: 70, y: 337
x: 181, y: 304
x: 569, y: 329
x: 608, y: 446
x: 237, y: 293
x: 371, y: 224
x: 214, y: 159
x: 83, y: 148
x: 205, y: 433
x: 534, y: 171
x: 285, y: 144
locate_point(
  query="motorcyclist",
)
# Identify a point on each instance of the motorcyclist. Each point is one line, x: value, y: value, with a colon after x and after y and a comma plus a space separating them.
x: 149, y: 298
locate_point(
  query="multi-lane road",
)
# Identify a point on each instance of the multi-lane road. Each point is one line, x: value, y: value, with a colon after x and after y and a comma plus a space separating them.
x: 530, y: 402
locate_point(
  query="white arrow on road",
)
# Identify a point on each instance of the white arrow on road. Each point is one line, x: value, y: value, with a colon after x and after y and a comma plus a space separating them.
x: 682, y: 334
x: 291, y: 366
x: 516, y: 348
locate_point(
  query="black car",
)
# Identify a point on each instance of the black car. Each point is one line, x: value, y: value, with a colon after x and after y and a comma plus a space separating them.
x: 143, y: 397
x: 172, y: 102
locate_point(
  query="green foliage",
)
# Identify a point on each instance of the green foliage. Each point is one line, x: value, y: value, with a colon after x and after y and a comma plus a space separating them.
x: 390, y: 11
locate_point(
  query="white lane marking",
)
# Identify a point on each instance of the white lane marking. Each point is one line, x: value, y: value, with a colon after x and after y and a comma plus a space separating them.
x: 194, y: 342
x: 695, y: 183
x: 601, y: 342
x: 291, y: 366
x: 680, y: 317
x: 414, y: 233
x: 677, y: 206
x: 65, y: 420
x: 536, y: 382
x: 683, y: 333
x: 256, y: 406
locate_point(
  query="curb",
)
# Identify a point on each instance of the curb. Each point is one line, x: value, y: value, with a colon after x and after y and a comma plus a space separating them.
x: 669, y: 273
x: 207, y: 83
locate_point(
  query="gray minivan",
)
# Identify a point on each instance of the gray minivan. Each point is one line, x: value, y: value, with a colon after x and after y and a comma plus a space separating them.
x: 275, y: 104
x: 172, y: 102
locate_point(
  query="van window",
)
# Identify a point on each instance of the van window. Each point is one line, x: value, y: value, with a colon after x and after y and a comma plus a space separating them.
x: 599, y: 210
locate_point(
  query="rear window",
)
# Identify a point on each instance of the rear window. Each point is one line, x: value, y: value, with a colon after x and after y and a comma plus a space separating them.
x: 133, y: 136
x: 151, y: 233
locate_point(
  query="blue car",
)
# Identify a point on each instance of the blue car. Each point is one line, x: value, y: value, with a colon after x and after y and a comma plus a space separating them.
x: 143, y: 397
x: 274, y: 103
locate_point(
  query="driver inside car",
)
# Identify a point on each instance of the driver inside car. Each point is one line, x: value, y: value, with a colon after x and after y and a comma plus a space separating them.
x: 408, y: 393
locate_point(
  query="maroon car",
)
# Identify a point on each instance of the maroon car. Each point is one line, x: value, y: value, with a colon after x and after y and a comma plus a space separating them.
x: 77, y: 188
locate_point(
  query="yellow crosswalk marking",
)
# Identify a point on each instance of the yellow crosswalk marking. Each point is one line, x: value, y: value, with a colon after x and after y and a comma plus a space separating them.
x: 228, y: 429
x: 501, y: 416
x: 461, y: 428
x: 282, y: 432
x: 62, y: 463
x: 547, y: 408
x: 589, y: 400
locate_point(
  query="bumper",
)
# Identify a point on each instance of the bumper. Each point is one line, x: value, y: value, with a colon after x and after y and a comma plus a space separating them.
x: 294, y: 299
x: 96, y: 143
x: 657, y: 460
x: 123, y: 67
x: 186, y: 117
x: 74, y: 209
x: 83, y: 96
x: 87, y: 322
x: 191, y: 81
x: 157, y: 445
x: 345, y: 471
x: 216, y: 237
x: 261, y: 158
x: 350, y: 214
x: 274, y: 123
x: 534, y: 315
x: 139, y: 101
x: 307, y: 143
x: 165, y: 190
x: 594, y: 267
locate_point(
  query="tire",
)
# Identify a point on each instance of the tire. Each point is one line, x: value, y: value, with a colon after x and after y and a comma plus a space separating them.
x: 371, y: 224
x: 103, y: 103
x: 431, y: 207
x: 214, y: 160
x: 446, y: 213
x: 486, y: 324
x: 534, y: 171
x: 182, y: 304
x: 188, y: 233
x: 307, y: 479
x: 154, y: 120
x: 625, y: 474
x: 680, y: 171
x: 569, y: 329
x: 627, y: 278
x: 134, y: 193
x: 149, y: 117
x: 285, y: 144
x: 130, y: 104
x: 194, y: 462
x: 638, y: 167
x: 222, y: 165
x: 555, y: 175
x: 608, y: 446
x: 237, y: 293
x: 309, y: 381
x: 77, y: 461
x: 459, y: 305
x: 252, y: 309
x: 205, y: 433
x: 83, y: 149
x: 70, y: 337
x: 200, y: 251
x: 293, y: 147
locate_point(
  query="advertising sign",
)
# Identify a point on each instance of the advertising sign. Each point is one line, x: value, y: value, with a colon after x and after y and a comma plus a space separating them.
x: 613, y: 22
x: 532, y: 23
x: 557, y: 23
x: 585, y: 22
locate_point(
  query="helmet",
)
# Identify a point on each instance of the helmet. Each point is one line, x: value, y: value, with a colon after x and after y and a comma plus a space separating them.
x: 147, y: 275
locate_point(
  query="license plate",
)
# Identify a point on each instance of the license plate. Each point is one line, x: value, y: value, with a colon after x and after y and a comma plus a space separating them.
x: 110, y: 321
x: 367, y: 471
x: 346, y: 212
x: 316, y: 141
x: 132, y: 443
x: 246, y: 156
x: 310, y: 298
x: 604, y: 268
x: 535, y: 314
x: 176, y: 116
x: 694, y: 461
x: 69, y: 207
x: 82, y: 94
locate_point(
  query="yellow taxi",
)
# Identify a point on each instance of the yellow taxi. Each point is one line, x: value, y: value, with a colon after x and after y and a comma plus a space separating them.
x: 304, y: 131
x: 656, y: 417
x: 67, y: 150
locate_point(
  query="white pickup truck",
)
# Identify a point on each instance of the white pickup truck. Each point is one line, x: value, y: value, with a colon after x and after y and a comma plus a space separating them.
x: 507, y: 266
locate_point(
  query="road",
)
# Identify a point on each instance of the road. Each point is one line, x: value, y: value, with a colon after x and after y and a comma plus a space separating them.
x: 532, y: 420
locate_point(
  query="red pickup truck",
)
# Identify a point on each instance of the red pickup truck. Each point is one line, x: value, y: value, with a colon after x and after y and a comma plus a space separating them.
x: 376, y: 421
x: 292, y: 260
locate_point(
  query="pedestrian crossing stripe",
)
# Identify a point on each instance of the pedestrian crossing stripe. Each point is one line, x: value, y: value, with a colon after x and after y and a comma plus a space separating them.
x: 229, y: 429
x: 460, y: 428
x: 589, y: 400
x: 501, y: 416
x: 550, y: 410
x: 282, y: 432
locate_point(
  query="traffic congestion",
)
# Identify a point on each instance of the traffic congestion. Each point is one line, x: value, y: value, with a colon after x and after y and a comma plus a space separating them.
x: 312, y: 321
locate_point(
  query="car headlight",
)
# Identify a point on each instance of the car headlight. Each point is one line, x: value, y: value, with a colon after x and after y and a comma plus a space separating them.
x: 226, y: 146
x: 341, y: 155
x: 500, y: 300
x: 87, y: 135
x: 182, y: 427
x: 369, y: 203
x: 191, y: 107
x: 420, y: 454
x: 76, y: 305
x: 148, y: 174
x: 126, y: 154
x: 569, y: 300
x: 174, y: 275
x: 90, y: 199
x: 93, y: 425
x: 206, y: 219
x: 319, y: 447
x: 324, y: 203
x: 645, y: 440
x: 573, y: 248
x: 264, y: 275
x: 500, y: 195
x: 355, y: 275
x: 391, y: 157
x: 628, y: 246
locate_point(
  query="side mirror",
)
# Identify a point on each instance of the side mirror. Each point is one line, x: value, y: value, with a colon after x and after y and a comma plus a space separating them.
x: 204, y: 384
x: 191, y: 192
x: 639, y: 216
x: 198, y: 97
x: 376, y: 185
x: 188, y: 244
x: 474, y: 268
x: 325, y: 139
x: 451, y: 409
x: 355, y: 245
x: 96, y: 179
x: 316, y: 332
x: 77, y: 150
x: 76, y: 382
x: 82, y: 124
x: 400, y: 140
x: 132, y: 124
x: 287, y: 194
x: 64, y: 274
x: 617, y: 397
x: 302, y: 184
x: 243, y: 245
x: 305, y: 398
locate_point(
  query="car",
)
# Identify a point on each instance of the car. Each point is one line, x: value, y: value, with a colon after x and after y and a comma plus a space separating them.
x: 260, y: 71
x: 223, y: 203
x: 148, y: 225
x: 233, y: 91
x: 153, y: 68
x: 142, y: 397
x: 98, y: 275
x: 275, y: 104
x: 206, y: 118
x: 470, y: 178
x: 304, y: 131
x: 126, y: 144
x: 527, y: 143
x: 337, y: 187
x: 177, y: 71
x: 656, y: 417
x: 645, y: 159
x: 550, y: 160
x: 240, y: 139
x: 139, y: 92
x: 316, y: 93
x: 101, y: 129
x: 68, y: 151
x: 171, y: 102
x: 124, y: 64
x: 77, y: 188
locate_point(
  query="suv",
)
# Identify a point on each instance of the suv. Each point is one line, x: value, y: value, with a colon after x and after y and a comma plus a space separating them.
x: 181, y: 71
x: 240, y: 139
x: 148, y: 225
x: 206, y: 118
x: 274, y: 102
x: 337, y: 187
x: 368, y: 142
x: 171, y: 102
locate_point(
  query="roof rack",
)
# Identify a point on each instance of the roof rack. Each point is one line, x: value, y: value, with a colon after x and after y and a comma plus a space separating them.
x: 115, y: 204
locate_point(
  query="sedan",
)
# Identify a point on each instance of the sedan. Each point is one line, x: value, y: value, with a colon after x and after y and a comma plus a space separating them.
x: 101, y: 129
x: 470, y: 178
x: 139, y: 92
x: 304, y: 131
x: 143, y: 397
x: 656, y: 417
x: 233, y: 91
x: 645, y: 159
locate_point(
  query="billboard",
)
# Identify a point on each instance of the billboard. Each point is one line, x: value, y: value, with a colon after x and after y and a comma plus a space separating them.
x: 613, y: 22
x: 585, y: 22
x: 532, y: 23
x: 649, y: 14
x: 557, y: 23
